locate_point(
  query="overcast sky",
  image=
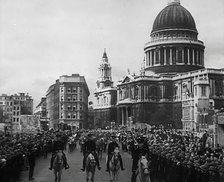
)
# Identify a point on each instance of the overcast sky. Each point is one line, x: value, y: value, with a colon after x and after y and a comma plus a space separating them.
x: 41, y: 40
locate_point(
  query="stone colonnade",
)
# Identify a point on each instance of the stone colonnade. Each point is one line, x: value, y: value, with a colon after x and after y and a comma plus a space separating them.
x: 125, y: 112
x: 168, y: 55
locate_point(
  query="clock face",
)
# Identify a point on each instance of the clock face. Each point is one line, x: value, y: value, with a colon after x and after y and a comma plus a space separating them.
x: 107, y: 83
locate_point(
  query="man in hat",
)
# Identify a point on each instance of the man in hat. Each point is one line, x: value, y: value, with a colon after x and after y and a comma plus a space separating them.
x: 31, y: 160
x: 58, y: 145
x: 111, y: 147
x: 90, y: 147
x: 140, y: 150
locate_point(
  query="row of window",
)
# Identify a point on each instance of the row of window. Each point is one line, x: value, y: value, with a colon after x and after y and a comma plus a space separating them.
x: 153, y: 92
x: 15, y: 119
x: 72, y: 116
x: 71, y: 107
x: 104, y: 100
x: 71, y: 98
x: 71, y: 89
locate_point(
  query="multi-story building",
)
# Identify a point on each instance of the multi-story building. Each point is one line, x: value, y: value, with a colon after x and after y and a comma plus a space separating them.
x: 104, y: 96
x: 174, y: 89
x: 67, y: 102
x: 41, y: 113
x: 13, y: 107
x: 25, y: 101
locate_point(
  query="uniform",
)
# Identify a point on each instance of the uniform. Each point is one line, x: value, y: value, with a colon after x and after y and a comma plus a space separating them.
x: 90, y: 147
x: 58, y: 145
x: 137, y: 152
x: 111, y: 146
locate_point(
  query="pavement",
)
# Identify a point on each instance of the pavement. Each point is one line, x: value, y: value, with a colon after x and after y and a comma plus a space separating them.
x: 74, y: 174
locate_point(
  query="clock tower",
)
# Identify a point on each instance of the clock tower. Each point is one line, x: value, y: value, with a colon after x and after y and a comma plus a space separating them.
x: 105, y: 96
x: 104, y: 73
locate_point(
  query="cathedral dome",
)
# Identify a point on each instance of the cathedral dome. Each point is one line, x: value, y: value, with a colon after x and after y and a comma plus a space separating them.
x: 174, y: 16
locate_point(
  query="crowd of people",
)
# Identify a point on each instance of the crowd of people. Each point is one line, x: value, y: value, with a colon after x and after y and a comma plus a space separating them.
x: 177, y: 156
x: 18, y: 153
x: 173, y: 155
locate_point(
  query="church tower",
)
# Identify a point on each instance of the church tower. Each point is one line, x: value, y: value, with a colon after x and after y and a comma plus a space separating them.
x: 105, y: 96
x: 104, y: 73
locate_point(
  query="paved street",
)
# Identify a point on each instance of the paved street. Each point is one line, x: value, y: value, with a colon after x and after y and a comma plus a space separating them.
x: 74, y: 174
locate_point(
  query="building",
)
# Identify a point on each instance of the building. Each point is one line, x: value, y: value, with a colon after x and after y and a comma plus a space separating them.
x: 25, y: 101
x: 67, y: 102
x: 13, y: 106
x: 105, y: 96
x: 174, y: 89
x: 41, y: 113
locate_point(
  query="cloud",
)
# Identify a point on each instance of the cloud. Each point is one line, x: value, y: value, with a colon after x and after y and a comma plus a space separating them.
x: 41, y: 40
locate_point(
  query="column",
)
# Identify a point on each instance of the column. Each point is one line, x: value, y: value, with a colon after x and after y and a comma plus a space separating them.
x: 171, y: 56
x: 183, y: 56
x: 160, y: 56
x: 177, y: 60
x: 154, y: 59
x: 202, y: 58
x: 162, y: 87
x: 188, y: 56
x: 144, y: 92
x: 164, y: 56
x: 122, y: 116
x: 150, y: 55
x: 193, y: 56
x: 147, y: 59
x: 198, y: 62
x: 148, y: 63
x: 126, y: 115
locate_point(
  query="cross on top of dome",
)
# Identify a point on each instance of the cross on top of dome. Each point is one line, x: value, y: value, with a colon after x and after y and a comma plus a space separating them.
x: 170, y: 2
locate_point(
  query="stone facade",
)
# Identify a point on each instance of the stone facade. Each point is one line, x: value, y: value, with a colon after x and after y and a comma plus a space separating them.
x: 104, y: 96
x: 174, y: 89
x: 67, y: 102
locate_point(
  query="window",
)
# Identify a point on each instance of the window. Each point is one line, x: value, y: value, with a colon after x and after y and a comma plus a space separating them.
x: 80, y: 107
x: 203, y: 91
x: 69, y: 98
x: 69, y: 90
x: 62, y: 89
x: 62, y: 98
x: 61, y: 115
x: 69, y: 115
x: 74, y: 107
x: 74, y: 97
x: 74, y: 116
x: 74, y: 89
x: 80, y: 98
x: 69, y: 107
